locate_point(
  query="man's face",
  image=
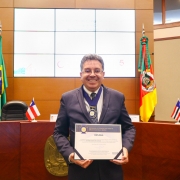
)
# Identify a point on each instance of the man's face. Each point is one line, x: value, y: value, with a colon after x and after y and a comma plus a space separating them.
x: 92, y: 75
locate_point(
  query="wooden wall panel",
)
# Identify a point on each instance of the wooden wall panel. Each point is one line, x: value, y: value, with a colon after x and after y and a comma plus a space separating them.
x: 7, y: 40
x: 114, y: 4
x: 5, y: 3
x: 137, y: 102
x: 144, y: 4
x: 9, y: 151
x: 137, y: 82
x: 7, y: 18
x: 130, y: 106
x: 44, y: 3
x: 46, y: 89
x: 124, y: 85
x: 78, y: 82
x: 144, y: 17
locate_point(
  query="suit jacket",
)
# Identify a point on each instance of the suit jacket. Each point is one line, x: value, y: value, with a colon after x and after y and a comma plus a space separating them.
x: 73, y: 110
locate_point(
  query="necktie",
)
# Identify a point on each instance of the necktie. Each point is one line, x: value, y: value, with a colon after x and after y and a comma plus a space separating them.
x: 93, y: 95
x: 93, y: 110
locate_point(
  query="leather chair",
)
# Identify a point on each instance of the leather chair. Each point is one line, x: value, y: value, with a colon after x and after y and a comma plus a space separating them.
x: 14, y: 110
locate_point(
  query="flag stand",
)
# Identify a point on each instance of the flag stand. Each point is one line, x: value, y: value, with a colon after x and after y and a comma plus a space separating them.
x: 33, y: 120
x: 177, y: 123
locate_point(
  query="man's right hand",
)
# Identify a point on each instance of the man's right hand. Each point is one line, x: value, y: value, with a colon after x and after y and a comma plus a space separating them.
x: 82, y: 163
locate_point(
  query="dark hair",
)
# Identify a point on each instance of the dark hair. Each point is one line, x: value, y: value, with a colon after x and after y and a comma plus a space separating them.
x: 91, y: 57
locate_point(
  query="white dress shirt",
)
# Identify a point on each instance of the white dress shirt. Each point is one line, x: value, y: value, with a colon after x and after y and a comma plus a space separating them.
x: 99, y: 104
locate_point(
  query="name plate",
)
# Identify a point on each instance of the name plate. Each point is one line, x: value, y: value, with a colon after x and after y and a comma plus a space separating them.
x: 53, y: 117
x: 98, y: 141
x: 134, y: 118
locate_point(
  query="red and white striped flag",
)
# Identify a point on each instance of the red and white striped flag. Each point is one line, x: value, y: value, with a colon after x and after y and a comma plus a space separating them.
x: 32, y: 111
x: 176, y: 112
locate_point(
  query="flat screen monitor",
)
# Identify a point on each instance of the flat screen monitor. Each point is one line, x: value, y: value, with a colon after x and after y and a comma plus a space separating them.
x: 52, y: 42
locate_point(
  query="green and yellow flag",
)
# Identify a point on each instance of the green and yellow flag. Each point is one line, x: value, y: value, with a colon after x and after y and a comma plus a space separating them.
x: 148, y: 94
x: 3, y: 79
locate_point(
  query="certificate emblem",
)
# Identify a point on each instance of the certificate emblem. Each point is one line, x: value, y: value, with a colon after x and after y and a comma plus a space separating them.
x: 83, y: 129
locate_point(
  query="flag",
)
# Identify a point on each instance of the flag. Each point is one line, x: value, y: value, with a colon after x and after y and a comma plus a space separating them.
x: 176, y: 112
x: 32, y: 111
x: 3, y: 78
x: 148, y: 94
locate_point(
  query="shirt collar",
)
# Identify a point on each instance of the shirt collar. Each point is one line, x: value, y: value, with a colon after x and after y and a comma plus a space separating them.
x: 89, y: 92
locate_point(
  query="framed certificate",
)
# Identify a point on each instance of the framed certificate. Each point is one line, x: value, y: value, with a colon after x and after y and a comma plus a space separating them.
x: 98, y: 141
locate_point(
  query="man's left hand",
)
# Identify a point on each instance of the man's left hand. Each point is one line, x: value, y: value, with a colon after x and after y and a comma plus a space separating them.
x: 124, y: 159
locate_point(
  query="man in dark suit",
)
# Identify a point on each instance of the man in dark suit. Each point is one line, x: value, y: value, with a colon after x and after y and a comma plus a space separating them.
x: 76, y: 108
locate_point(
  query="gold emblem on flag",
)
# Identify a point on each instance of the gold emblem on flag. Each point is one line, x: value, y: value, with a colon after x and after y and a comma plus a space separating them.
x: 148, y: 83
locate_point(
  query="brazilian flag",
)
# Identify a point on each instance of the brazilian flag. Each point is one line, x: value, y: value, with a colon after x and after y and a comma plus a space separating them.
x: 3, y: 79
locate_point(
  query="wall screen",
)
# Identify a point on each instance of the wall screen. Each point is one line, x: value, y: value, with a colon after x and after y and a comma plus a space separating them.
x: 52, y: 42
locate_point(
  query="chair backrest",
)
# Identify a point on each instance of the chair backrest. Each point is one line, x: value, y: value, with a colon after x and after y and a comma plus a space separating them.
x: 14, y: 110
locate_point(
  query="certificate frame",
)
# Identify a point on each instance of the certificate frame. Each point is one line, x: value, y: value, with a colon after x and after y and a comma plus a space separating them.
x: 98, y: 141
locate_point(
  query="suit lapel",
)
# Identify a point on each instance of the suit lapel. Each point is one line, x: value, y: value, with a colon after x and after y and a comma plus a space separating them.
x: 82, y: 104
x: 106, y: 97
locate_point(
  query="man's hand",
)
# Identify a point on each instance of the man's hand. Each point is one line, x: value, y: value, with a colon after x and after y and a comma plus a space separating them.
x: 124, y: 159
x: 82, y: 163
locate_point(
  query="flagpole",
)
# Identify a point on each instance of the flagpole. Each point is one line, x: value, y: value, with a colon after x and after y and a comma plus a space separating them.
x: 0, y: 28
x: 143, y: 31
x: 34, y: 118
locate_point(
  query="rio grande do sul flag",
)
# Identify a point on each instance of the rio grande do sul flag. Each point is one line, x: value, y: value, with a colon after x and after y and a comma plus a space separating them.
x: 148, y: 94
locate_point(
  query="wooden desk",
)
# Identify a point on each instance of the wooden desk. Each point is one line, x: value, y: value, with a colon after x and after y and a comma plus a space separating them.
x: 22, y: 150
x: 33, y: 139
x: 155, y: 155
x: 9, y: 150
